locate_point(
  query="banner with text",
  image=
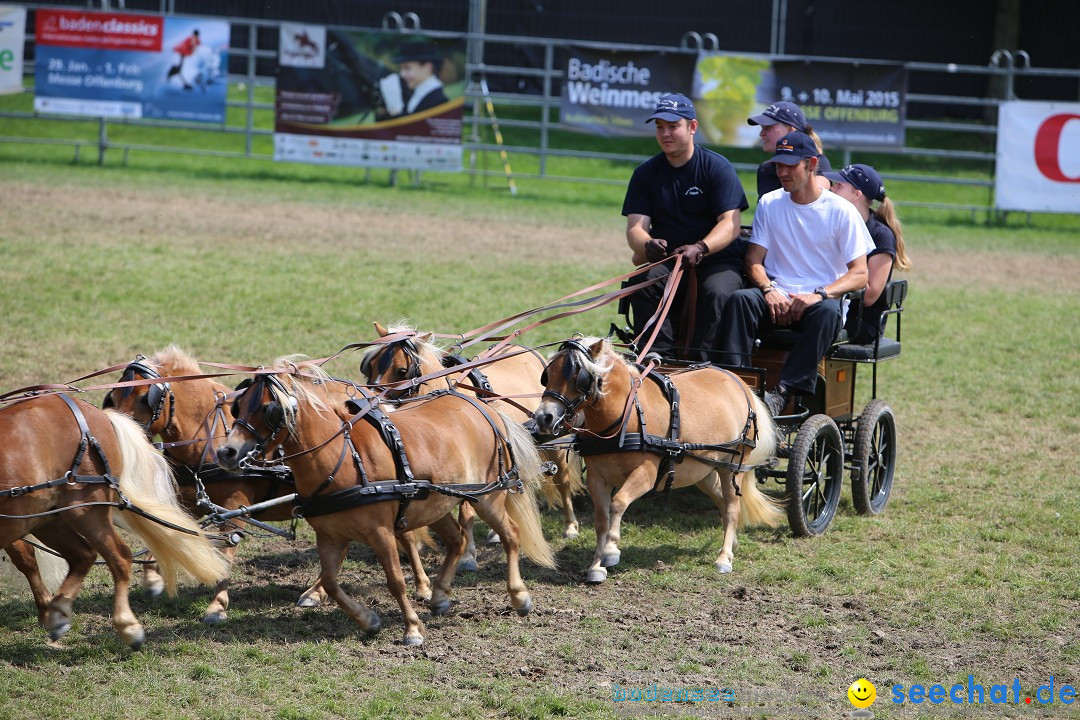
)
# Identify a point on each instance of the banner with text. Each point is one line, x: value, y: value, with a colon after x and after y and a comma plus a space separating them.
x: 137, y: 66
x: 612, y: 93
x: 370, y: 99
x: 12, y: 36
x: 848, y: 104
x: 1038, y: 157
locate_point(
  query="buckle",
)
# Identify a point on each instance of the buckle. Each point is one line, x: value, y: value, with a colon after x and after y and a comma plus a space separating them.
x: 17, y: 491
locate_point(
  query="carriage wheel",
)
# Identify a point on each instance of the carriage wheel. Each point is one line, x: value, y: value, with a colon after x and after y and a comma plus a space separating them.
x: 815, y: 475
x: 874, y: 453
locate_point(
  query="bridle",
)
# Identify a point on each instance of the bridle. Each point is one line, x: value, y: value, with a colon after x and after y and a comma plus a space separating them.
x: 274, y: 415
x: 412, y: 370
x: 155, y: 393
x: 587, y: 384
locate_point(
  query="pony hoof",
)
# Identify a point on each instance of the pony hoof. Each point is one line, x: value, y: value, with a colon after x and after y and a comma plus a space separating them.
x: 152, y: 592
x: 440, y: 608
x: 374, y: 624
x: 468, y: 565
x: 214, y: 618
x: 610, y: 560
x: 412, y: 641
x: 724, y: 567
x: 136, y: 642
x: 59, y: 631
x: 570, y: 533
x: 596, y: 575
x: 526, y: 608
x: 307, y: 601
x: 493, y: 538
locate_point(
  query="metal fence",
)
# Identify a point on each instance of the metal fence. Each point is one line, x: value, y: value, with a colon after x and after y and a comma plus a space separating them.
x: 253, y: 54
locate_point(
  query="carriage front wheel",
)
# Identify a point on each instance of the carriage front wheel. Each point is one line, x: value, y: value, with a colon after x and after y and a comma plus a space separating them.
x: 874, y: 455
x: 815, y: 476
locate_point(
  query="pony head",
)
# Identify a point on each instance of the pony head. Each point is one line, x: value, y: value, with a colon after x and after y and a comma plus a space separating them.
x: 397, y: 361
x: 573, y: 378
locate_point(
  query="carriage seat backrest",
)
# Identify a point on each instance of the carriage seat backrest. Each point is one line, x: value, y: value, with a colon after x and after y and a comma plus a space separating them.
x: 883, y: 348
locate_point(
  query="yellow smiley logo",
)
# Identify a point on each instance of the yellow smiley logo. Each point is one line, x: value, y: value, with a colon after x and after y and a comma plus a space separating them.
x: 862, y: 693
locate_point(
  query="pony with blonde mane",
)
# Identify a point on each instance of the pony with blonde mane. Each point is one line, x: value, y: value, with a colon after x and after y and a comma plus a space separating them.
x: 191, y: 419
x: 362, y: 477
x: 66, y: 466
x: 726, y: 426
x: 516, y: 375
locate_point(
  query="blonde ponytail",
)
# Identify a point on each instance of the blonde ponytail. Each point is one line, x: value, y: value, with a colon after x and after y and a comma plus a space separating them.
x: 886, y: 213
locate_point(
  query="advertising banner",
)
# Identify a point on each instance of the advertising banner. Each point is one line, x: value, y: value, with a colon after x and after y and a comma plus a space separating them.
x: 12, y: 35
x: 1038, y: 157
x: 370, y: 99
x: 849, y: 105
x: 137, y: 66
x: 612, y: 93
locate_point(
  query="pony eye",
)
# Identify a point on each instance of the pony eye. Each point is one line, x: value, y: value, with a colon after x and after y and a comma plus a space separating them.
x: 401, y: 372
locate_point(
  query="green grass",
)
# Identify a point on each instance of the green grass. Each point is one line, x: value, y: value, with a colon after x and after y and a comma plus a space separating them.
x: 971, y: 569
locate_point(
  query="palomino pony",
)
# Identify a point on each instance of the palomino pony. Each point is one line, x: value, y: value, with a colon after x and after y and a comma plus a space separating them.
x: 517, y: 375
x: 701, y: 427
x: 190, y: 418
x: 363, y: 477
x: 65, y: 466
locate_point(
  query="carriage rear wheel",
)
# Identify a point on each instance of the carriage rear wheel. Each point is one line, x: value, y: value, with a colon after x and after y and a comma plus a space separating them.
x: 815, y: 475
x: 874, y: 453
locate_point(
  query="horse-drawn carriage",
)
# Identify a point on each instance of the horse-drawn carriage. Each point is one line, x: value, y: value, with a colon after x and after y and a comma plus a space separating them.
x: 823, y: 437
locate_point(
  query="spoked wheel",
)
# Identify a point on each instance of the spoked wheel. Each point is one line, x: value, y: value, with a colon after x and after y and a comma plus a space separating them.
x: 815, y: 475
x: 874, y: 453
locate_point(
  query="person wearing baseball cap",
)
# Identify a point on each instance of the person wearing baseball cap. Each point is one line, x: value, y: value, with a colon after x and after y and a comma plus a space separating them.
x: 777, y: 120
x: 807, y: 248
x: 685, y: 200
x: 862, y: 185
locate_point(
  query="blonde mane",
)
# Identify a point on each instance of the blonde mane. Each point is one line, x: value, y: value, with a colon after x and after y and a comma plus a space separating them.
x: 306, y: 381
x: 174, y: 361
x: 402, y: 327
x: 600, y: 367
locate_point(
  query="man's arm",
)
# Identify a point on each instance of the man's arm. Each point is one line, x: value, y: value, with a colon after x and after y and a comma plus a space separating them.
x: 723, y: 233
x: 776, y: 300
x: 645, y: 247
x: 853, y: 279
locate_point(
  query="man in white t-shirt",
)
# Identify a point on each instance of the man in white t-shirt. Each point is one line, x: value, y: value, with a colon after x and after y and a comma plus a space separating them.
x: 808, y: 247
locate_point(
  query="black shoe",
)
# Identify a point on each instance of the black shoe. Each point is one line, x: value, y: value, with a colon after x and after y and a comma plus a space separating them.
x: 776, y: 400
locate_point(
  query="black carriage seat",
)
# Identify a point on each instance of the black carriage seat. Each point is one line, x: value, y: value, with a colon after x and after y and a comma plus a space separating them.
x: 884, y: 348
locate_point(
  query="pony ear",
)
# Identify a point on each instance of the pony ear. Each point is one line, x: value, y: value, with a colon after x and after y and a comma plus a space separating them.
x: 597, y: 348
x: 383, y: 332
x: 425, y: 338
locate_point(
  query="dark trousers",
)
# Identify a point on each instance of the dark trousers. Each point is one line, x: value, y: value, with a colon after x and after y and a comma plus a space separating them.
x: 715, y: 284
x: 746, y: 313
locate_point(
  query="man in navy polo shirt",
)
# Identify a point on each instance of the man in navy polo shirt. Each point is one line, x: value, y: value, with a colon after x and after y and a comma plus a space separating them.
x: 685, y: 200
x: 808, y: 247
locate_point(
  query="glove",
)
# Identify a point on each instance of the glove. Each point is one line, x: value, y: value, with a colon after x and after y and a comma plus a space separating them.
x: 692, y: 254
x: 656, y: 250
x: 390, y: 89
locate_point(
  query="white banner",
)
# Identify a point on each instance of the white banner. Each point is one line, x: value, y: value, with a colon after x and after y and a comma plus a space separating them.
x: 12, y: 34
x: 1038, y: 157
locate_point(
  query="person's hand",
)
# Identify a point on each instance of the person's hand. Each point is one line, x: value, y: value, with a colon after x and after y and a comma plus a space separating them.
x: 692, y: 254
x: 390, y: 89
x: 656, y: 250
x: 779, y: 305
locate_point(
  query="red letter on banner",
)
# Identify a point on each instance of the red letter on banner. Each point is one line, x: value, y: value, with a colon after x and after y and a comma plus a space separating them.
x: 1047, y: 143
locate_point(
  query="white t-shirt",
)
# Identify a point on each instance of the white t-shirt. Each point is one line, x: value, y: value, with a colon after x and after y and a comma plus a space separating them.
x: 808, y: 246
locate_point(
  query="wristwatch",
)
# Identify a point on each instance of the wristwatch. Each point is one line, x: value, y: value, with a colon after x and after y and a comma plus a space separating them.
x: 766, y: 289
x: 822, y: 292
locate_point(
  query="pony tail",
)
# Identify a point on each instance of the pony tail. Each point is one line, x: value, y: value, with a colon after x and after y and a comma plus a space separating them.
x: 886, y: 213
x: 757, y: 508
x: 815, y: 137
x: 521, y: 506
x: 146, y: 480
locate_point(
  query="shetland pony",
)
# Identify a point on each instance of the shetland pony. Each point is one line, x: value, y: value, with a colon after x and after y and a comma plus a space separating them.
x: 191, y: 420
x: 65, y: 466
x: 716, y: 410
x: 354, y: 486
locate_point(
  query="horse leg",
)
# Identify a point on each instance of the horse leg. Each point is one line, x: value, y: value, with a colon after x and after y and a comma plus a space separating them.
x: 723, y: 495
x: 384, y: 544
x: 331, y: 556
x: 453, y: 539
x: 25, y: 561
x: 600, y: 493
x: 638, y: 482
x: 492, y: 510
x: 564, y: 484
x: 152, y: 585
x: 98, y: 530
x: 466, y: 518
x: 411, y: 546
x: 80, y: 558
x: 217, y: 611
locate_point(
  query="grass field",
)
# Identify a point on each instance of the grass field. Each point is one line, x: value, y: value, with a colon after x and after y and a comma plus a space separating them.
x: 972, y: 569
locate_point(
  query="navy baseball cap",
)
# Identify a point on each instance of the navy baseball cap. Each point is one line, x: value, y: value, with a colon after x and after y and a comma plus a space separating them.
x: 863, y: 177
x: 781, y: 112
x: 673, y: 107
x: 793, y: 148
